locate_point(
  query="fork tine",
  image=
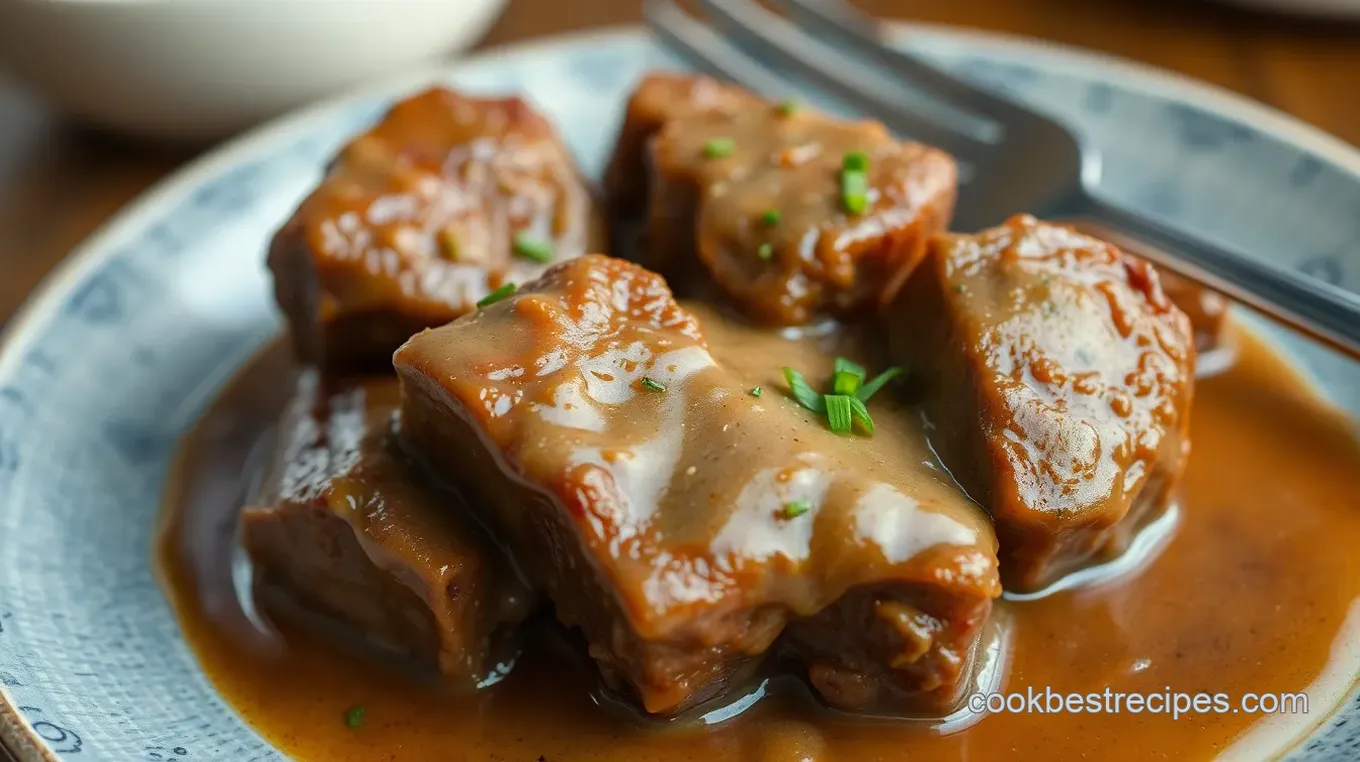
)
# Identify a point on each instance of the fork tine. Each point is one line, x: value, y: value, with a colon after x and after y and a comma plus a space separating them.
x: 777, y: 38
x: 861, y: 34
x: 707, y: 50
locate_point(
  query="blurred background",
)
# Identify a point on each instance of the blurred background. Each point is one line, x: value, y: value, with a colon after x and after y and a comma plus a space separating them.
x: 101, y: 98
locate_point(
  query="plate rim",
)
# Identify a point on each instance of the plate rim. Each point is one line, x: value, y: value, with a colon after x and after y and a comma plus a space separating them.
x: 17, y: 736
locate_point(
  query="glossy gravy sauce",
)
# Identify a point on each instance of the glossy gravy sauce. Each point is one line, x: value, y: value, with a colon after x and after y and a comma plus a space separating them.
x: 1254, y: 589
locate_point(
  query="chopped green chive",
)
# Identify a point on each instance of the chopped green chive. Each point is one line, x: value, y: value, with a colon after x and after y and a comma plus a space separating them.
x: 765, y: 251
x: 846, y: 365
x: 855, y: 161
x: 847, y: 375
x: 795, y: 508
x: 802, y: 392
x: 655, y: 386
x: 788, y: 107
x: 958, y: 288
x: 770, y: 218
x: 717, y: 148
x: 755, y: 391
x: 448, y: 245
x: 844, y: 406
x: 871, y: 388
x: 854, y: 191
x: 533, y: 248
x: 845, y: 382
x: 497, y: 295
x: 860, y: 414
x: 838, y: 413
x: 354, y: 717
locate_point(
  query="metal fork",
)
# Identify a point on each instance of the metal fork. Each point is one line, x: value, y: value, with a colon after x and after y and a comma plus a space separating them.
x: 1012, y: 158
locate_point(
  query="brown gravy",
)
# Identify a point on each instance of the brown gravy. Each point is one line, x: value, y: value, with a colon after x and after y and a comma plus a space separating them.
x: 1251, y: 594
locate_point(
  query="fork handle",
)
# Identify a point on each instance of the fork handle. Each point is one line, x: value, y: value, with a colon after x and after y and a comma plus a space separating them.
x: 1326, y: 312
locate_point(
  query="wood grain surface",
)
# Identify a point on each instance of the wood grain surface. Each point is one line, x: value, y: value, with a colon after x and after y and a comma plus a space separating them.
x: 58, y: 181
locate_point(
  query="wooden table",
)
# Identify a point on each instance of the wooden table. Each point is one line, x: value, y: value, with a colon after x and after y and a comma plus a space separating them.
x: 59, y: 182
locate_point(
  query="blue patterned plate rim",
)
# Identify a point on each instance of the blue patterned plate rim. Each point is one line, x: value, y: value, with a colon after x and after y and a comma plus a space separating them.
x: 16, y: 336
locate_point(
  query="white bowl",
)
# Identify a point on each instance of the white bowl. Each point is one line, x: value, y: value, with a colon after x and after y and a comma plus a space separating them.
x: 200, y: 69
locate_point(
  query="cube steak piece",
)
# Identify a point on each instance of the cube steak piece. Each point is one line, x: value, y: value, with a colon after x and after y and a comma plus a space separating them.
x: 659, y: 97
x: 417, y: 219
x: 680, y: 521
x: 344, y: 530
x: 754, y: 190
x: 1206, y: 308
x: 1057, y: 376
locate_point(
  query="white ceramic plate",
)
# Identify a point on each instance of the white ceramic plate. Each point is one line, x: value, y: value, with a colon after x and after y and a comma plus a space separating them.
x: 123, y: 347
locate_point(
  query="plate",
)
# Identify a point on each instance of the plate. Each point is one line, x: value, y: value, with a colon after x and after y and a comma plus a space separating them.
x: 123, y: 347
x: 1321, y: 9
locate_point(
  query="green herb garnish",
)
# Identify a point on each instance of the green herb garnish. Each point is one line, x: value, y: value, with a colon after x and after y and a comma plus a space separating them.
x: 770, y: 218
x: 958, y: 288
x: 788, y: 107
x: 870, y: 389
x: 795, y: 508
x: 655, y: 386
x: 847, y: 376
x: 846, y: 383
x: 533, y: 248
x: 854, y: 191
x: 755, y: 391
x: 844, y: 406
x: 838, y: 413
x: 855, y: 161
x: 717, y: 148
x: 847, y: 365
x: 860, y: 414
x: 765, y: 251
x: 802, y: 392
x: 354, y: 717
x: 497, y: 295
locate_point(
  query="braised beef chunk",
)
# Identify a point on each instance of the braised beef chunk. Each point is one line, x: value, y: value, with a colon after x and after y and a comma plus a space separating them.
x: 896, y: 648
x: 343, y: 528
x: 792, y: 213
x: 1207, y: 310
x: 898, y: 639
x: 660, y: 97
x: 1057, y: 378
x: 443, y: 201
x: 681, y: 521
